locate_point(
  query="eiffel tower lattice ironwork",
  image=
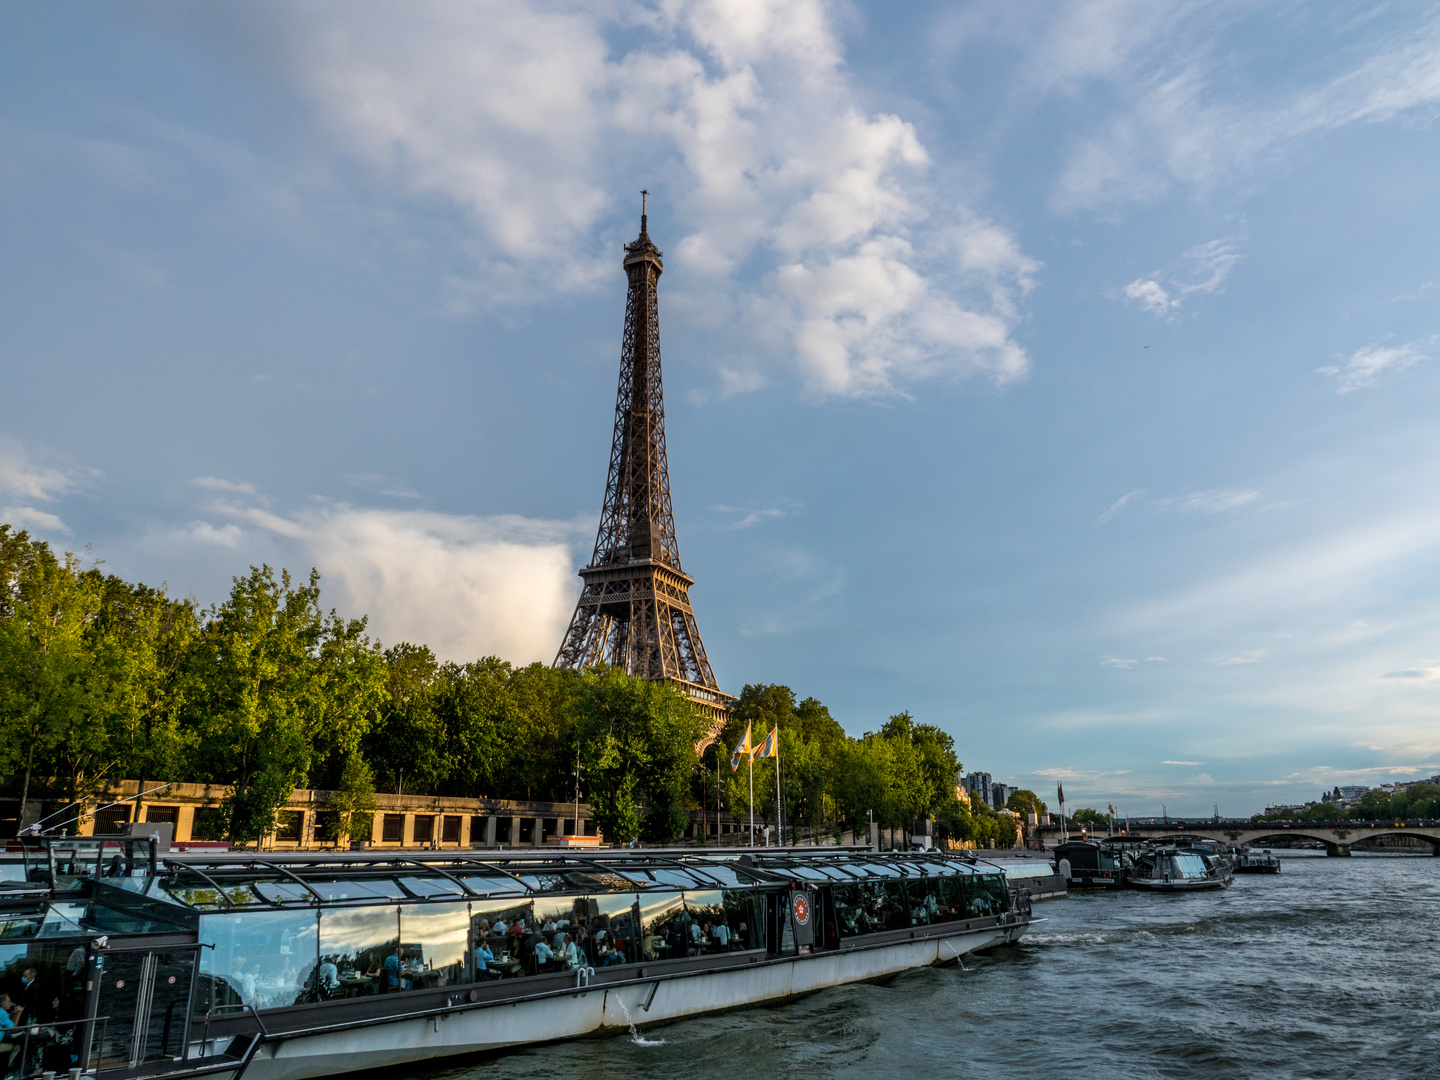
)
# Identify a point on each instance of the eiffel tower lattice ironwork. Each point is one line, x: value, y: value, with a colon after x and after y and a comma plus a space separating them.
x: 634, y: 611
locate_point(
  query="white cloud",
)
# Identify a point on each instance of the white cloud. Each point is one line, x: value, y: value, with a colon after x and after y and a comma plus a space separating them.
x: 1252, y: 657
x: 804, y: 211
x: 1202, y: 270
x: 235, y: 487
x: 1151, y: 295
x: 29, y: 480
x: 21, y: 475
x: 1182, y: 763
x: 466, y: 586
x: 28, y: 517
x: 1364, y: 368
x: 1117, y: 662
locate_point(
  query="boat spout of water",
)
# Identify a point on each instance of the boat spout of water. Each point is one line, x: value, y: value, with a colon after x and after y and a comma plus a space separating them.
x: 635, y: 1036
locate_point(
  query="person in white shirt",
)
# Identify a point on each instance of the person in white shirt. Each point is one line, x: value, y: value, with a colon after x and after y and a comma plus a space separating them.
x: 569, y: 953
x: 721, y: 934
x: 499, y: 928
x: 543, y: 953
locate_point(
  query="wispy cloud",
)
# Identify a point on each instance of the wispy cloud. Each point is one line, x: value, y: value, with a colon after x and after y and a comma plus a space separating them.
x: 1203, y: 270
x: 1182, y: 763
x: 1119, y: 505
x: 1214, y: 501
x: 1252, y: 657
x: 1184, y: 119
x: 745, y: 517
x: 1366, y: 366
x: 1218, y: 501
x: 1415, y: 674
x: 1117, y: 662
x: 28, y: 479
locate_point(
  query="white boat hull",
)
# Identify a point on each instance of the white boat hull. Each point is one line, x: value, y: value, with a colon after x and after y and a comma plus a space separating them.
x: 592, y: 1010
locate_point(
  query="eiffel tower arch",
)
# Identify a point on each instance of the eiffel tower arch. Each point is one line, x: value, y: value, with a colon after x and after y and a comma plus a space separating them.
x: 634, y: 611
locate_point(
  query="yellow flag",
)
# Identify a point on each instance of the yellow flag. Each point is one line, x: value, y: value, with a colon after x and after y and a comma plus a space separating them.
x: 741, y: 750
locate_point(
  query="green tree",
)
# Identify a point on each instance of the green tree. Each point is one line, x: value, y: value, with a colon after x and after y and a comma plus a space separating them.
x: 1025, y: 801
x: 50, y: 688
x: 637, y: 739
x: 353, y: 802
x: 861, y: 781
x: 408, y: 739
x: 271, y: 679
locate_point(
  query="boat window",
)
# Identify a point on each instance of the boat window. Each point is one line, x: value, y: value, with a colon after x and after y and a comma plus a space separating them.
x: 54, y: 969
x: 436, y: 886
x: 563, y: 921
x: 856, y: 907
x: 206, y: 897
x: 488, y: 885
x: 496, y: 929
x: 742, y: 914
x: 614, y: 929
x: 352, y: 889
x: 665, y: 927
x: 726, y: 876
x: 357, y: 942
x: 930, y: 901
x: 436, y: 938
x: 283, y: 892
x: 673, y: 877
x: 19, y: 926
x: 707, y: 911
x: 262, y: 959
x: 988, y: 894
x: 1189, y: 866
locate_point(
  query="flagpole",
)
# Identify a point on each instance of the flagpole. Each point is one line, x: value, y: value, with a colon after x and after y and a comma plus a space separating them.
x: 752, y: 796
x: 779, y: 806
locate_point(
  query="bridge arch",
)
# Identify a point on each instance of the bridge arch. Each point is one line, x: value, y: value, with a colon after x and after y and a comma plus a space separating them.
x: 1342, y: 838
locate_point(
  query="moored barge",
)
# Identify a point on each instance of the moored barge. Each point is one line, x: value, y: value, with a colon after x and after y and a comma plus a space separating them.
x: 128, y: 962
x: 1168, y: 869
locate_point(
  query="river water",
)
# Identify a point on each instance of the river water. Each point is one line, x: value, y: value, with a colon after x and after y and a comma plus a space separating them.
x: 1331, y: 969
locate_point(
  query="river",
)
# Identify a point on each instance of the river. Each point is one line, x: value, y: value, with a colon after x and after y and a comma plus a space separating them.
x: 1330, y: 969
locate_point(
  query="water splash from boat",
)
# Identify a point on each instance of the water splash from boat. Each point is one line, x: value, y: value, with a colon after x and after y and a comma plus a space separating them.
x: 635, y: 1036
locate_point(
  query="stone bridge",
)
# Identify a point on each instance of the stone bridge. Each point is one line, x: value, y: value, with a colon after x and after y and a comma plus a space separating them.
x: 1337, y: 836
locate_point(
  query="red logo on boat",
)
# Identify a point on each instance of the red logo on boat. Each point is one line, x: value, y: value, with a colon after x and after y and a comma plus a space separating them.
x: 802, y: 909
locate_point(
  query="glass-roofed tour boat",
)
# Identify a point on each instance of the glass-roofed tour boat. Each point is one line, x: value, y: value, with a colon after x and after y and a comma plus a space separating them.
x: 127, y: 961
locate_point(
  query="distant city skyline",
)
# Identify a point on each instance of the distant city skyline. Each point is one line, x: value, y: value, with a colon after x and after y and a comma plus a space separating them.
x: 1064, y: 375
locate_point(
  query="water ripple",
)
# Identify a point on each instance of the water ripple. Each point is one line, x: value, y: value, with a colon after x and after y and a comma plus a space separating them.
x: 1329, y: 970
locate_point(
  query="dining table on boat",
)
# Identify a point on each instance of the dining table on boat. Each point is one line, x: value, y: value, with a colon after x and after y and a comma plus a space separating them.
x: 355, y: 985
x: 508, y: 967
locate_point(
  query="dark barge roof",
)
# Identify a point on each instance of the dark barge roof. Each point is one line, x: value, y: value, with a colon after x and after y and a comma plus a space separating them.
x: 249, y: 880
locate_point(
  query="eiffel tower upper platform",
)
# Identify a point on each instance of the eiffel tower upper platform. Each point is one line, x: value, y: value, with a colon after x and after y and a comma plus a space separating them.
x: 634, y: 611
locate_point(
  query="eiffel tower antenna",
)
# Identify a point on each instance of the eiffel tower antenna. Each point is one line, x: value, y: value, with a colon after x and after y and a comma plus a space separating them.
x: 634, y: 611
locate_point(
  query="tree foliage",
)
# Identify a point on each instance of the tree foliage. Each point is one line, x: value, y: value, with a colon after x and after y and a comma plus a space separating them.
x: 102, y: 679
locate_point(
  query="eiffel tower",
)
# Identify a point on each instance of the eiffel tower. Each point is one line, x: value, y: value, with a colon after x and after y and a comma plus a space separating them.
x: 634, y: 611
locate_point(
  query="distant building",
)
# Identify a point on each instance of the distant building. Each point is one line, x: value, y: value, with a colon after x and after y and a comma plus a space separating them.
x: 1000, y: 794
x: 978, y: 784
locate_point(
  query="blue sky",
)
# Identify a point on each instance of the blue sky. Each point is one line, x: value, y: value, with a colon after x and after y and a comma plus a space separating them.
x: 1065, y: 375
